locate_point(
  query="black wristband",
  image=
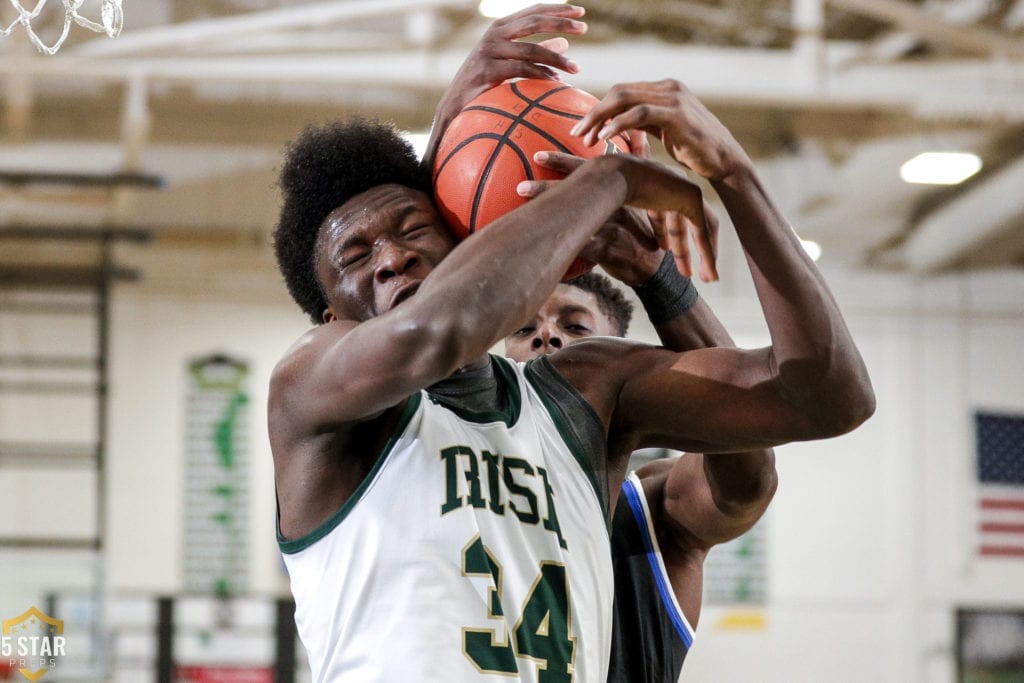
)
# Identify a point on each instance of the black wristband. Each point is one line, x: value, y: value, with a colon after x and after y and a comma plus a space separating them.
x: 667, y: 294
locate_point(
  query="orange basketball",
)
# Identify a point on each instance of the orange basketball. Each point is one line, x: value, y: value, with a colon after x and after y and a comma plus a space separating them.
x: 488, y: 149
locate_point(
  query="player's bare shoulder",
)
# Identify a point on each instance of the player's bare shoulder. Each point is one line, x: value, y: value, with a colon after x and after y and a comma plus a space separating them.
x: 293, y: 380
x: 598, y: 366
x: 608, y: 356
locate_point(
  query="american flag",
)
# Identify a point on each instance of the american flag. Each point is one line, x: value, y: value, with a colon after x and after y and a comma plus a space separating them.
x: 1001, y: 485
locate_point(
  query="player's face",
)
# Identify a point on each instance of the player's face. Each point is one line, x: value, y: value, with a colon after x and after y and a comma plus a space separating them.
x: 570, y: 313
x: 375, y: 249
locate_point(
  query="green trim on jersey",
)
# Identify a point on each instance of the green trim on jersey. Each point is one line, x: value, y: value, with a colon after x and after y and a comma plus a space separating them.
x: 296, y: 545
x: 507, y: 382
x: 564, y: 430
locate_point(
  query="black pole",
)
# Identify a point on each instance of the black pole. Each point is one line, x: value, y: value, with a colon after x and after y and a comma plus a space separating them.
x: 103, y: 378
x: 284, y: 662
x: 165, y: 640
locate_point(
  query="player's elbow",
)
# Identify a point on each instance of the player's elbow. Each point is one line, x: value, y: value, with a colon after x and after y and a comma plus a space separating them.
x: 834, y: 399
x: 849, y: 407
x: 751, y: 489
x: 862, y: 404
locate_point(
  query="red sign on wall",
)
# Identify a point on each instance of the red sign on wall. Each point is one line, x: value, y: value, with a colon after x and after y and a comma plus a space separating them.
x: 223, y: 674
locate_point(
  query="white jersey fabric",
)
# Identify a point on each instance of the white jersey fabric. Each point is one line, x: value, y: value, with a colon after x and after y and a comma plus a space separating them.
x: 475, y: 550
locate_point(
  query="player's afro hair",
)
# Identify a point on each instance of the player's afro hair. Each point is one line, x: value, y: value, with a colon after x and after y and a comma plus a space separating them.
x: 325, y: 166
x: 610, y: 299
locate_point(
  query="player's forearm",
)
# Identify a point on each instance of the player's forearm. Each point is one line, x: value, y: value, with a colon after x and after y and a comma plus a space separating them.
x: 681, y: 319
x: 740, y: 483
x: 696, y: 328
x: 497, y: 278
x: 817, y: 362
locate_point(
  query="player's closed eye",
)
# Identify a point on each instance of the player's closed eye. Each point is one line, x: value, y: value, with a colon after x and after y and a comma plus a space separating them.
x: 415, y: 231
x: 523, y: 331
x: 354, y: 257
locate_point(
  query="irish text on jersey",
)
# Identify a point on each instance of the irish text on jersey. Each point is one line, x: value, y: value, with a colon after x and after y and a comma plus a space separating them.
x: 475, y: 479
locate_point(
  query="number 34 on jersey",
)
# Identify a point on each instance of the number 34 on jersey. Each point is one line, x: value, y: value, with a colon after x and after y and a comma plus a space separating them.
x: 543, y: 634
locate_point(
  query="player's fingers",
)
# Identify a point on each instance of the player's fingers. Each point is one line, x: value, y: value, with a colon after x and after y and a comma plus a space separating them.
x: 712, y: 228
x: 597, y: 246
x: 657, y: 221
x: 558, y: 45
x: 528, y: 70
x: 677, y: 241
x: 705, y: 238
x: 561, y: 19
x: 549, y: 8
x: 638, y: 224
x: 646, y: 117
x: 532, y: 53
x: 533, y: 188
x: 638, y: 144
x: 558, y: 161
x: 619, y: 99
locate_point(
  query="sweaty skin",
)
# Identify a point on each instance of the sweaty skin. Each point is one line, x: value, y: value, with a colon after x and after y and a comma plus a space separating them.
x: 696, y: 502
x: 406, y: 308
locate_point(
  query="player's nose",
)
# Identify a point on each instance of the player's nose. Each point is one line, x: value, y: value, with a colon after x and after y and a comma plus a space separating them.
x: 394, y: 259
x: 546, y: 340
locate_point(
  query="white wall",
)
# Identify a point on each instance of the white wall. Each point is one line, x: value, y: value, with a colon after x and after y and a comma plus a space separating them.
x: 159, y: 326
x: 870, y: 534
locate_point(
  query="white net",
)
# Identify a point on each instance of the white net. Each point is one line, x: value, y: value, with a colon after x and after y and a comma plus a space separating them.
x: 111, y: 21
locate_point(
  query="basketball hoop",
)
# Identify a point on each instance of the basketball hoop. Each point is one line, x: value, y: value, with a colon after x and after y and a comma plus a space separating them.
x: 112, y: 20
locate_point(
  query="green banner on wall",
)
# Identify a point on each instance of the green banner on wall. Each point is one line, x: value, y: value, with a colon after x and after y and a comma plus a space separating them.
x: 216, y: 476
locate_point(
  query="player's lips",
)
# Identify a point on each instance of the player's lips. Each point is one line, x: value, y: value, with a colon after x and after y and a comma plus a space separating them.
x: 404, y: 293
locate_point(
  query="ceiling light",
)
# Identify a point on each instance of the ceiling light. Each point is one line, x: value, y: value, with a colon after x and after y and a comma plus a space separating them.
x: 502, y: 8
x: 940, y: 168
x: 812, y: 248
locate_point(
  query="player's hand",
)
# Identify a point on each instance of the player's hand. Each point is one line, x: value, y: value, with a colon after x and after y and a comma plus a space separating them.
x: 501, y: 54
x: 673, y: 222
x: 667, y: 109
x: 625, y: 247
x: 657, y: 188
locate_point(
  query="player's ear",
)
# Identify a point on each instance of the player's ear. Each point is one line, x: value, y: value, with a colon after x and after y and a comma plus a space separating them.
x: 328, y: 315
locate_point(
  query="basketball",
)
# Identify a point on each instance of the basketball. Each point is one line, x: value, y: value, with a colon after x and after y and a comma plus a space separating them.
x: 488, y: 150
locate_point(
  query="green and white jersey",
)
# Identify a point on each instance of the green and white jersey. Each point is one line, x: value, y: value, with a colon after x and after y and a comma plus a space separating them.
x: 475, y: 550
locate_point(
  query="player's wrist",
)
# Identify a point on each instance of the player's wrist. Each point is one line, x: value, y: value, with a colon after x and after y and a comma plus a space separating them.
x: 735, y: 172
x: 667, y: 294
x: 634, y: 273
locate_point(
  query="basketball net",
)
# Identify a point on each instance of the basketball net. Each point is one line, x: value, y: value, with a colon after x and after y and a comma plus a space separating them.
x: 112, y: 18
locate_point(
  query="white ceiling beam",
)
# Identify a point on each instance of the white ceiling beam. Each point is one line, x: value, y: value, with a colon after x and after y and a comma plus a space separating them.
x: 809, y: 44
x: 967, y: 89
x: 212, y: 30
x: 888, y: 47
x: 993, y: 207
x: 298, y: 42
x: 973, y: 39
